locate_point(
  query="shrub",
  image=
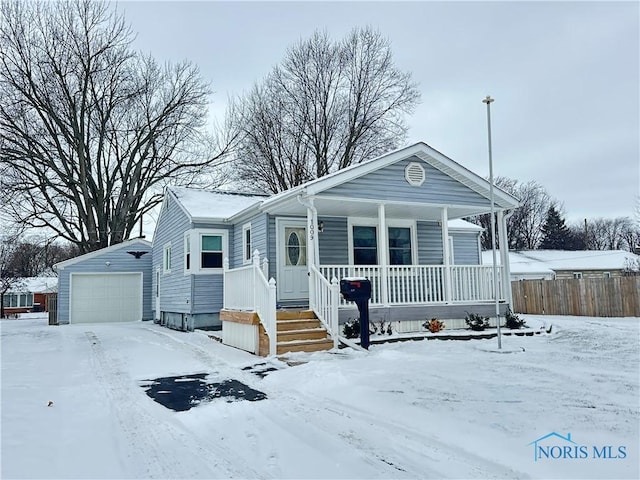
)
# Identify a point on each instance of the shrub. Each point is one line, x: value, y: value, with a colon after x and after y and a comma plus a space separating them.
x: 434, y: 325
x: 351, y: 328
x: 513, y: 320
x: 476, y: 322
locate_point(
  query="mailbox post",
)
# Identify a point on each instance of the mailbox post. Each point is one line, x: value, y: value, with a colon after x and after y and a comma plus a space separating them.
x: 356, y: 289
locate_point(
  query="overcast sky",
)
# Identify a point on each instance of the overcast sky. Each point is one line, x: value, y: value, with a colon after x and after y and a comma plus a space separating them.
x: 565, y: 78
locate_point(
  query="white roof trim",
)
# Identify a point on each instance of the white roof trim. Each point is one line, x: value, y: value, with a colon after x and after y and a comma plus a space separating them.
x: 420, y: 150
x: 95, y: 253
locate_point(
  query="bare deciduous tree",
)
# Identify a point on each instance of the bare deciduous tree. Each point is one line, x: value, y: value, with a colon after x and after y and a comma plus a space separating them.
x: 618, y: 233
x: 91, y: 131
x: 328, y: 105
x: 524, y: 226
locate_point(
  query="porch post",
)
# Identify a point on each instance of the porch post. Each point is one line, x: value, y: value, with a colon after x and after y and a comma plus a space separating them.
x: 382, y: 258
x: 446, y: 254
x: 311, y: 244
x: 504, y: 258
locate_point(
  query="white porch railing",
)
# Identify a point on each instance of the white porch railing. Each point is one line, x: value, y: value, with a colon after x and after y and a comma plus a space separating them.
x: 419, y: 284
x: 247, y: 288
x: 324, y: 300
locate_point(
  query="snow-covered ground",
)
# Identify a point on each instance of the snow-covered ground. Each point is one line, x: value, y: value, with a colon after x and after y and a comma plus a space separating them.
x: 418, y: 409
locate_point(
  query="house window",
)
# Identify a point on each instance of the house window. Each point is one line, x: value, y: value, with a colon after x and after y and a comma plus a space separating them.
x: 187, y: 252
x: 166, y: 259
x: 210, y: 251
x: 400, y: 246
x: 14, y: 300
x: 365, y: 245
x: 606, y: 274
x: 577, y: 275
x: 246, y: 243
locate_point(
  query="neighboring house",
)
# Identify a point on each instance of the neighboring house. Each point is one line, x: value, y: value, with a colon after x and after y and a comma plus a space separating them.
x: 29, y: 295
x: 108, y: 285
x: 583, y: 263
x: 394, y: 220
x: 521, y: 267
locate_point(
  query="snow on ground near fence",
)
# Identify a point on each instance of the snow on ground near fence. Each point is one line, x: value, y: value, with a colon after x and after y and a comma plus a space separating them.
x: 419, y: 409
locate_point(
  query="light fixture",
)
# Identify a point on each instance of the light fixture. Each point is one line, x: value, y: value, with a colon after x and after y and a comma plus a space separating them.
x: 108, y: 264
x: 320, y: 226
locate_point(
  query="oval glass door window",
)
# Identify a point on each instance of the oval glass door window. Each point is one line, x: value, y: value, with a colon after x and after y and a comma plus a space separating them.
x: 296, y: 254
x: 293, y: 248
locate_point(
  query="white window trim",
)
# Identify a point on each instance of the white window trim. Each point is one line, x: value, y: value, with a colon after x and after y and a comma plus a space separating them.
x: 373, y: 222
x: 166, y: 266
x: 245, y: 227
x: 577, y: 275
x: 606, y: 274
x: 187, y: 241
x: 196, y: 254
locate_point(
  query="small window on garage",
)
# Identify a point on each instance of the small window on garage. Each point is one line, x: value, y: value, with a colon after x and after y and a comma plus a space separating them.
x: 577, y: 275
x: 606, y: 274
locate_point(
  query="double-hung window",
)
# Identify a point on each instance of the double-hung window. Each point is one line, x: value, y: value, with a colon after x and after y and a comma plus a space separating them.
x: 246, y: 243
x: 211, y: 252
x: 365, y: 245
x: 366, y: 248
x: 400, y: 252
x: 166, y: 259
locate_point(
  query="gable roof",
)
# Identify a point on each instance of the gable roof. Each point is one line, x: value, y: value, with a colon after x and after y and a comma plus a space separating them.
x: 35, y: 285
x: 582, y: 259
x: 520, y: 264
x: 213, y: 205
x: 421, y: 150
x: 95, y: 253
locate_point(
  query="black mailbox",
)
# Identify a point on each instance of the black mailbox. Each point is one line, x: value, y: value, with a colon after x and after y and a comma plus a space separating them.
x: 359, y: 290
x: 355, y: 289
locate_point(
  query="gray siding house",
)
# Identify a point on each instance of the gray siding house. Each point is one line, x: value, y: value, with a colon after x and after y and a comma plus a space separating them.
x: 395, y: 220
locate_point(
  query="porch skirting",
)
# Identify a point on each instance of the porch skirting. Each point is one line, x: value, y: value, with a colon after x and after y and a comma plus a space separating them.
x: 410, y: 318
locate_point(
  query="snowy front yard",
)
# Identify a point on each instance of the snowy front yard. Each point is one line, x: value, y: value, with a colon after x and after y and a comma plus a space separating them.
x: 420, y: 409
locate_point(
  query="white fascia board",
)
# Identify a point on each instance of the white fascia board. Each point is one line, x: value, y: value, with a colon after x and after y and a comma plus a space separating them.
x: 95, y: 253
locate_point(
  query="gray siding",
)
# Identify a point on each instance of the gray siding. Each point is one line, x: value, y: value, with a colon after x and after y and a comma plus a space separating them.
x: 120, y: 262
x: 333, y: 241
x: 175, y: 287
x: 258, y: 238
x: 465, y: 248
x: 429, y: 243
x: 389, y: 184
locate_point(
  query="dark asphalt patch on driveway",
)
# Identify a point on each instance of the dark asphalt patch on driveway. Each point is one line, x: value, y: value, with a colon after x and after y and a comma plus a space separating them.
x: 184, y: 392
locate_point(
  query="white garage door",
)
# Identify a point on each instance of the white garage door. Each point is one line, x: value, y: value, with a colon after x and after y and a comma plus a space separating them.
x: 113, y: 297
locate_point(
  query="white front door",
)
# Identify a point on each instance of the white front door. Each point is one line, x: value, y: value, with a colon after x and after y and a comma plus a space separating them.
x: 293, y: 281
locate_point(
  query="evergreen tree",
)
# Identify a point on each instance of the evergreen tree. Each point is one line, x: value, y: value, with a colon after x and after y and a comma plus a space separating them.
x: 555, y: 234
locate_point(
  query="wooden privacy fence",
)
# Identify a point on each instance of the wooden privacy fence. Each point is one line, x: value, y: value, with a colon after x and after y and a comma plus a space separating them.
x: 590, y: 297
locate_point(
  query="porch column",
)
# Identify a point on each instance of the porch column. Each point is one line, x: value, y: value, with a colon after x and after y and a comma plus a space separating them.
x: 446, y: 254
x: 504, y: 257
x: 382, y: 258
x: 311, y: 244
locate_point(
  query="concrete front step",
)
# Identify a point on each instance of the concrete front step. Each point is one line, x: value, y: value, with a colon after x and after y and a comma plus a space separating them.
x: 304, y: 346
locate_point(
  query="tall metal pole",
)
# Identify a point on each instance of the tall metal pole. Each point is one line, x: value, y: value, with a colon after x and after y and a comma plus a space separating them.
x: 488, y: 100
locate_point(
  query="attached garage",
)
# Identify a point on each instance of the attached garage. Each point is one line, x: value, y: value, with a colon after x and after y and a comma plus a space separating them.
x: 106, y: 286
x: 106, y: 297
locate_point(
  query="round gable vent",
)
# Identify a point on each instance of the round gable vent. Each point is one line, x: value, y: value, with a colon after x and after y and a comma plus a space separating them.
x: 414, y: 174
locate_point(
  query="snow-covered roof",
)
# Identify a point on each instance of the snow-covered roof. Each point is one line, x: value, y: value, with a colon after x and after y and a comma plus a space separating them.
x: 459, y: 224
x: 214, y: 205
x: 582, y: 259
x: 519, y: 264
x: 35, y: 285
